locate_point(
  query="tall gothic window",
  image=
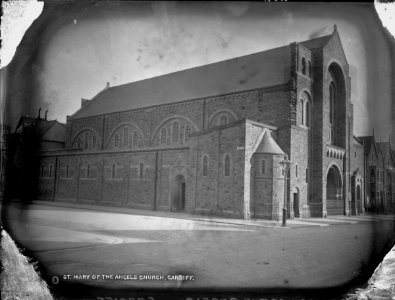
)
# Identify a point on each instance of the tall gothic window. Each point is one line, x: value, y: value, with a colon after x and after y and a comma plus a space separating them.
x: 205, y: 165
x: 227, y: 165
x: 187, y: 132
x: 86, y: 144
x: 113, y: 171
x: 174, y: 132
x: 332, y: 104
x: 93, y: 142
x: 303, y: 107
x: 141, y: 170
x: 223, y: 120
x: 307, y: 113
x: 163, y: 134
x: 303, y: 66
x: 296, y: 171
x: 135, y: 138
x: 263, y: 167
x: 116, y: 141
x: 125, y: 140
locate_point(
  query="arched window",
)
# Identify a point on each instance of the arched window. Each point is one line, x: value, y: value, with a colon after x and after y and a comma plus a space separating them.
x: 141, y: 170
x: 50, y: 170
x: 205, y: 165
x: 163, y: 135
x: 263, y: 167
x: 79, y: 142
x: 93, y: 142
x: 175, y: 132
x: 227, y: 165
x: 303, y: 66
x: 332, y: 104
x: 223, y: 120
x: 309, y: 69
x: 125, y: 139
x: 307, y: 113
x: 302, y: 111
x: 296, y: 171
x: 135, y: 138
x: 187, y: 132
x: 88, y: 170
x: 67, y: 171
x: 86, y: 144
x: 116, y: 141
x: 113, y: 171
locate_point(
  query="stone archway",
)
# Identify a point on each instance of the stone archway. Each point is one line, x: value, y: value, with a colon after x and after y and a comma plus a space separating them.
x: 179, y: 187
x: 334, y: 192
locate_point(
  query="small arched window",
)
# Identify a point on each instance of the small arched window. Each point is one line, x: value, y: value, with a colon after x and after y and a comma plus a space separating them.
x: 223, y: 120
x: 141, y: 170
x: 116, y: 140
x: 86, y: 144
x: 79, y: 142
x: 125, y: 139
x: 135, y: 138
x: 307, y: 113
x: 205, y: 165
x: 303, y: 66
x: 263, y: 167
x: 67, y: 171
x: 309, y: 69
x: 113, y: 171
x: 50, y: 170
x: 296, y: 171
x: 163, y: 135
x: 227, y: 165
x: 93, y: 142
x: 302, y: 110
x: 88, y: 170
x: 187, y: 132
x: 175, y: 132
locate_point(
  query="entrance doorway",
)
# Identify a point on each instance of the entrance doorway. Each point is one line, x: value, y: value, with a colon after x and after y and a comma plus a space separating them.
x: 334, y: 190
x: 178, y: 203
x: 296, y: 203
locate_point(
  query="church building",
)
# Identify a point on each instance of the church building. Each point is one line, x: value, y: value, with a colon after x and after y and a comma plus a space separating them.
x: 213, y: 139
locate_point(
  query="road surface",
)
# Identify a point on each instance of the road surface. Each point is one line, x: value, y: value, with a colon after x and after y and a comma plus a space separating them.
x: 138, y: 249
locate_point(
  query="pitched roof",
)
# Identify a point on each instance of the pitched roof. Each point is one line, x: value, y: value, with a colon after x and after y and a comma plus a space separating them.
x: 317, y: 42
x: 40, y: 126
x: 368, y: 141
x: 269, y: 146
x: 248, y: 72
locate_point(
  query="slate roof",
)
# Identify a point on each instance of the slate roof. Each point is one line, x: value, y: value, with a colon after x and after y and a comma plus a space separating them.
x: 269, y: 146
x: 367, y: 141
x: 40, y: 126
x: 317, y: 42
x: 258, y: 70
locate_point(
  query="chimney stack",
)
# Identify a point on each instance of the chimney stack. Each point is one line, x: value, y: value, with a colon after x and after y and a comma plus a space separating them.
x: 39, y: 113
x: 108, y: 84
x: 46, y: 113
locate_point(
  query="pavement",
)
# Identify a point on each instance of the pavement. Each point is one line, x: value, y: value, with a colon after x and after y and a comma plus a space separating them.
x: 74, y: 239
x: 291, y: 223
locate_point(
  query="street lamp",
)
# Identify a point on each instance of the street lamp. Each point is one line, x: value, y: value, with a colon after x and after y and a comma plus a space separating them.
x: 285, y: 166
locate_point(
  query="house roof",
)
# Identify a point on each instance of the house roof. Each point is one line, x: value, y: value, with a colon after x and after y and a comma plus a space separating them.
x: 269, y: 146
x: 40, y: 126
x: 368, y: 141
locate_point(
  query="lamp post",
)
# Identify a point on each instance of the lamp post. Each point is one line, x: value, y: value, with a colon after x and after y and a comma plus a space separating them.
x: 285, y: 166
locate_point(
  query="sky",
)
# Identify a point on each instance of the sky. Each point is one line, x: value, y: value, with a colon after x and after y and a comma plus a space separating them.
x: 83, y: 48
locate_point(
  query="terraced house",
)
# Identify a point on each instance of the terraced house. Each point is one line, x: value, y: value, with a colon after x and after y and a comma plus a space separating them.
x: 212, y: 139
